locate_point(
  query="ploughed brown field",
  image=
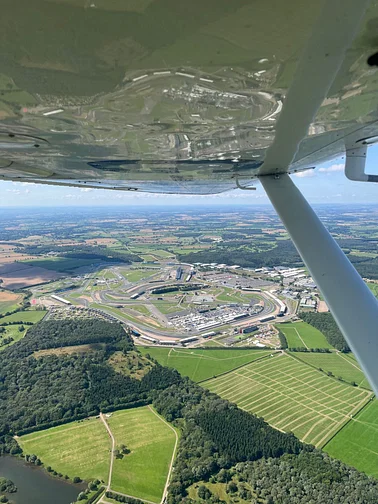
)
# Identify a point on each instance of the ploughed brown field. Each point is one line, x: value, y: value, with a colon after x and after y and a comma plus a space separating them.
x: 9, y: 297
x: 18, y: 275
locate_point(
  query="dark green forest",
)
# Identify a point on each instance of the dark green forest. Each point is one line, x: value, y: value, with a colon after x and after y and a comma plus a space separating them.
x: 97, y: 253
x: 62, y: 333
x: 312, y: 477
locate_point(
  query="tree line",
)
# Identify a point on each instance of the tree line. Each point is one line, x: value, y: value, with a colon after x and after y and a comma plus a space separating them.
x: 282, y: 338
x: 100, y: 253
x: 122, y: 498
x: 309, y: 350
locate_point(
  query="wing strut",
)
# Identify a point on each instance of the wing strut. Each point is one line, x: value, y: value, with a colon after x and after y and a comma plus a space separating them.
x: 353, y: 306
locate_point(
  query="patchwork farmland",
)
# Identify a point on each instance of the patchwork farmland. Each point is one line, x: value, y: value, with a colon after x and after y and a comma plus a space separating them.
x: 292, y: 396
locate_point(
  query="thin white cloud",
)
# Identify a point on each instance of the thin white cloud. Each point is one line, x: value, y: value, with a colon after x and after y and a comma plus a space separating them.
x: 305, y: 174
x: 86, y: 189
x: 332, y: 168
x: 71, y: 196
x: 18, y: 192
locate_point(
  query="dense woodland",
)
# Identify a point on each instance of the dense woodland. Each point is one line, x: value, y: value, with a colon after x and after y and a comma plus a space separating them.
x: 58, y: 333
x: 311, y: 477
x: 327, y: 325
x: 365, y: 265
x: 281, y: 253
x: 97, y: 253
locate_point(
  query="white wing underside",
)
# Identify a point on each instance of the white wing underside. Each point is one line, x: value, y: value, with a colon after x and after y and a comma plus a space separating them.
x: 230, y: 94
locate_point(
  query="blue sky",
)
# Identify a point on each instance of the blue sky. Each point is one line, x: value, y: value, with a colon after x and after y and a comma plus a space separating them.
x: 326, y: 184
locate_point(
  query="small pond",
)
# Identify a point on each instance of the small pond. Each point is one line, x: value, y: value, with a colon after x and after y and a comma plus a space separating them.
x: 34, y: 485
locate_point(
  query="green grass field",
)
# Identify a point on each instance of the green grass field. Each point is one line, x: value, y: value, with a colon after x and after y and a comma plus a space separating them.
x: 11, y: 304
x: 231, y: 296
x: 234, y: 296
x: 60, y: 264
x: 127, y: 316
x: 5, y: 307
x: 162, y: 253
x: 76, y: 449
x: 167, y: 307
x: 373, y: 287
x: 148, y: 257
x: 11, y: 331
x: 338, y: 363
x: 140, y: 309
x: 301, y: 334
x: 83, y: 449
x: 143, y: 472
x: 135, y: 275
x: 356, y: 444
x: 213, y: 344
x: 108, y: 275
x: 219, y: 490
x: 291, y: 396
x: 202, y: 364
x: 24, y: 316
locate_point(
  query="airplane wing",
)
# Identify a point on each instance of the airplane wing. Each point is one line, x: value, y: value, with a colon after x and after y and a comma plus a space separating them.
x: 199, y: 97
x: 160, y: 96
